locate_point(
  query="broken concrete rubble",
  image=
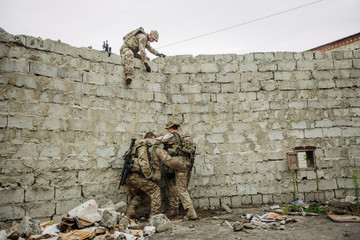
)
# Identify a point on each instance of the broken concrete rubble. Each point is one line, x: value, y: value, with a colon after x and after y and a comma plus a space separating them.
x: 161, y: 223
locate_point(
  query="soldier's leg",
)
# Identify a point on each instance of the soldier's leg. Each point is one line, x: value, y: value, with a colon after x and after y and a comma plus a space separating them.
x: 131, y: 183
x: 173, y: 197
x: 177, y: 162
x: 153, y: 191
x: 128, y: 64
x: 181, y: 182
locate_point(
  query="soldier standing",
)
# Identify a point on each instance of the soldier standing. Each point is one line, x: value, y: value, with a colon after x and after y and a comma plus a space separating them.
x: 177, y: 160
x: 142, y: 178
x: 134, y: 42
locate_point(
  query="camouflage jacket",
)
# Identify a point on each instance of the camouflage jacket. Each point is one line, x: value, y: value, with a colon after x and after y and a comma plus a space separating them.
x: 142, y: 162
x: 139, y: 43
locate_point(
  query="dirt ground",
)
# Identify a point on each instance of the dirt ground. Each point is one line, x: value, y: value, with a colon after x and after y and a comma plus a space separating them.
x: 211, y: 226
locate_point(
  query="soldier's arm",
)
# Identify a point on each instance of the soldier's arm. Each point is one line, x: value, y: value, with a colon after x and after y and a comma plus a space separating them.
x: 144, y: 162
x: 158, y: 140
x: 142, y: 45
x: 152, y: 50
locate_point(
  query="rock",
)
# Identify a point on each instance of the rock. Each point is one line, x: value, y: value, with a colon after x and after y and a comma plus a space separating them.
x: 121, y: 207
x: 227, y: 208
x: 88, y: 210
x: 28, y: 226
x: 110, y: 219
x: 161, y: 223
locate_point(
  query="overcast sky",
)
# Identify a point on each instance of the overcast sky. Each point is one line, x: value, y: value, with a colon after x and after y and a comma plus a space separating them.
x: 226, y: 26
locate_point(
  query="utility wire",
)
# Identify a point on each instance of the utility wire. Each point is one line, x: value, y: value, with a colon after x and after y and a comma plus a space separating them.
x: 244, y: 23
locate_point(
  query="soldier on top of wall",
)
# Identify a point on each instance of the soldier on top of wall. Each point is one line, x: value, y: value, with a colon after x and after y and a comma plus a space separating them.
x: 134, y: 42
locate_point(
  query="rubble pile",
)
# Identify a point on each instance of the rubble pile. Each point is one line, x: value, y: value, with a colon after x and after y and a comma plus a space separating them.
x: 86, y: 222
x: 265, y: 221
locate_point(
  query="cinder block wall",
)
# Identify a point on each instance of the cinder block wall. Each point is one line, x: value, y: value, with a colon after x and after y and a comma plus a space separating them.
x: 66, y: 118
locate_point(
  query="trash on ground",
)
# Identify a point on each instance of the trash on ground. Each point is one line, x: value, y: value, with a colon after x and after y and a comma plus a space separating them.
x: 344, y: 218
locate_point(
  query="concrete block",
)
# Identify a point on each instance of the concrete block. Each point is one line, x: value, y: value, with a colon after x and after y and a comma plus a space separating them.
x: 345, y: 183
x: 305, y: 65
x: 325, y: 64
x: 21, y: 122
x: 93, y: 78
x: 288, y: 85
x: 51, y: 124
x: 9, y: 196
x: 332, y: 132
x: 275, y: 135
x: 3, y: 121
x: 313, y: 133
x: 264, y: 67
x: 211, y: 88
x: 327, y: 184
x: 351, y: 132
x: 306, y: 186
x: 287, y: 66
x: 248, y: 67
x: 40, y: 209
x: 284, y: 56
x: 43, y: 69
x: 69, y: 73
x: 50, y: 152
x: 209, y: 68
x: 14, y: 65
x: 298, y: 104
x: 250, y: 86
x: 190, y: 68
x: 36, y: 194
x: 236, y: 201
x: 246, y: 200
x: 268, y: 199
x: 11, y: 212
x: 343, y: 64
x: 68, y: 193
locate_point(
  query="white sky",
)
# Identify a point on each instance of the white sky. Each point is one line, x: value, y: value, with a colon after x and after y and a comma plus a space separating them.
x: 83, y: 23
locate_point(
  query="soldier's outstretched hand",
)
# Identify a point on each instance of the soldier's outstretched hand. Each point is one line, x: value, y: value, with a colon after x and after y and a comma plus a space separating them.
x: 161, y: 55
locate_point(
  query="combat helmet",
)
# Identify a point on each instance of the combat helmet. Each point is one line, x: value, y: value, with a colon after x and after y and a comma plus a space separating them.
x: 155, y: 35
x: 170, y: 124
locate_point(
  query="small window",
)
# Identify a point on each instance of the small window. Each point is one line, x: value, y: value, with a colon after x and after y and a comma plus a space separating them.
x: 303, y: 158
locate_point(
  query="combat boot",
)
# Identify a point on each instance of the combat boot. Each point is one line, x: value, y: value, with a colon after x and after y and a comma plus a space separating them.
x: 191, y: 214
x: 128, y: 80
x: 130, y: 212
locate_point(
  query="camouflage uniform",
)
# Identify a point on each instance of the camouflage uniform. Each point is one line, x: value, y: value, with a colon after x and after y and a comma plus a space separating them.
x: 130, y: 49
x: 179, y: 163
x: 174, y: 199
x: 140, y: 180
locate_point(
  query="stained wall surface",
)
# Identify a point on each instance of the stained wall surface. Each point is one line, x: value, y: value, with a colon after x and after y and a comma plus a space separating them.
x: 67, y: 117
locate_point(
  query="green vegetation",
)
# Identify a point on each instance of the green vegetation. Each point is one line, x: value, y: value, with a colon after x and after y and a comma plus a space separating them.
x: 356, y: 186
x: 318, y: 208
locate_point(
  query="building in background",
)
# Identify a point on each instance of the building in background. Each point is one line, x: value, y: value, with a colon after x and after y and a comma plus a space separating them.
x: 348, y: 43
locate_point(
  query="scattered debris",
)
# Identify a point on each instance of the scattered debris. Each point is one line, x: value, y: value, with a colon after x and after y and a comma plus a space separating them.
x: 227, y: 208
x: 161, y: 223
x: 344, y: 218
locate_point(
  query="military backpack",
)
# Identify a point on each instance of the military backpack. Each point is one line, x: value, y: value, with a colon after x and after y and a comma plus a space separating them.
x: 133, y: 33
x: 185, y: 143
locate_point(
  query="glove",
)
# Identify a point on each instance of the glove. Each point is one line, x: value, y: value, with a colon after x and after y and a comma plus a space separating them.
x: 148, y: 69
x: 161, y: 55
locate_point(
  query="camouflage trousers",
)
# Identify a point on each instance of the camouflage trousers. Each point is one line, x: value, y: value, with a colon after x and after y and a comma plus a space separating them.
x: 174, y: 198
x: 180, y: 165
x: 137, y: 182
x: 129, y: 60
